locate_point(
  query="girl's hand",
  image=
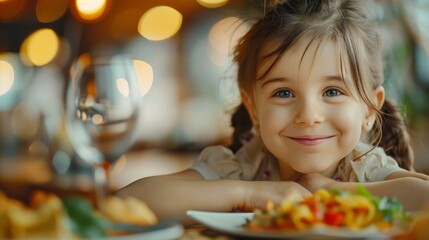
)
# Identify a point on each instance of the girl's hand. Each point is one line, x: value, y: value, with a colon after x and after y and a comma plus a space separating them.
x: 315, y: 181
x: 256, y: 194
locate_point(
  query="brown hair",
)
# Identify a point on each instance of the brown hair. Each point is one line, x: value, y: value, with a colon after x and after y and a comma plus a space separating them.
x: 348, y: 24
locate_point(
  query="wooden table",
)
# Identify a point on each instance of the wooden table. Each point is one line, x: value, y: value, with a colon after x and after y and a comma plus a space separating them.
x: 202, y: 233
x: 22, y: 176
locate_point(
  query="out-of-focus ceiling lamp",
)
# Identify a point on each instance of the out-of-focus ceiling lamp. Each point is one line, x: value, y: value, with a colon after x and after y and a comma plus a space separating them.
x: 90, y: 10
x: 7, y: 75
x: 160, y: 23
x: 40, y: 47
x: 10, y: 9
x: 48, y: 11
x: 212, y: 3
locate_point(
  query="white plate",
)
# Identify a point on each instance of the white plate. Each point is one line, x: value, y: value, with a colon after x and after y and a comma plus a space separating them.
x: 168, y: 233
x: 232, y: 223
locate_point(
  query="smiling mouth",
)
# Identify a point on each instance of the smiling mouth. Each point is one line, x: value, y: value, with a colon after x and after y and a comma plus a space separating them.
x: 311, y: 140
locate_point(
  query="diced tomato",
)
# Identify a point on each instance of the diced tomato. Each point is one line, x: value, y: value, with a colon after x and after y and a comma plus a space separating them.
x: 331, y: 204
x: 334, y: 218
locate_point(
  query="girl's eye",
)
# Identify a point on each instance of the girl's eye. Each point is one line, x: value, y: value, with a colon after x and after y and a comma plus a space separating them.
x: 333, y: 92
x: 283, y: 94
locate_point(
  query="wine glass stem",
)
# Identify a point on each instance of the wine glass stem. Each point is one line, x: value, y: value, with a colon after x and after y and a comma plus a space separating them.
x: 101, y: 185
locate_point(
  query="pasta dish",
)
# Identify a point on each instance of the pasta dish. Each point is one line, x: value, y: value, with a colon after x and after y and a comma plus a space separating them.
x: 334, y: 208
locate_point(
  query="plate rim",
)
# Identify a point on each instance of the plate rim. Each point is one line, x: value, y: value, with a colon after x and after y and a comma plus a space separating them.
x: 170, y: 232
x: 318, y: 231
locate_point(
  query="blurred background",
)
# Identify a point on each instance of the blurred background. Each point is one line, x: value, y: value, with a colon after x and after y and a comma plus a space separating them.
x: 183, y: 56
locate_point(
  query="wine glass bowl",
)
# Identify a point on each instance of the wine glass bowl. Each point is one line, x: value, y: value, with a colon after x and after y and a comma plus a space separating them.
x: 102, y: 108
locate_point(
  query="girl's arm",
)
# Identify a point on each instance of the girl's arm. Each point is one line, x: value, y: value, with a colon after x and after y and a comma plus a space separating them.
x: 401, y: 174
x: 410, y: 188
x: 171, y: 195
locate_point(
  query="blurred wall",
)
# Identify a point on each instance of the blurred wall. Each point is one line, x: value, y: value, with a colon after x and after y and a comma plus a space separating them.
x: 191, y: 89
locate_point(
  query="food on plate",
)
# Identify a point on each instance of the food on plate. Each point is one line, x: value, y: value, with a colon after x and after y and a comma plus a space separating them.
x: 335, y: 208
x: 129, y: 210
x: 46, y: 216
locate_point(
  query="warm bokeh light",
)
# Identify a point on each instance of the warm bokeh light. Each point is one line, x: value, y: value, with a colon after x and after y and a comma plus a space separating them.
x: 13, y: 77
x: 48, y: 11
x: 40, y: 47
x: 123, y: 87
x: 223, y: 37
x: 145, y: 75
x: 91, y: 9
x: 10, y: 9
x: 160, y: 23
x: 212, y: 3
x: 7, y: 77
x: 224, y: 34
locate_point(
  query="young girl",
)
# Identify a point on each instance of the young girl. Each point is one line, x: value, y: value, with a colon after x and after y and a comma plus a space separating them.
x: 314, y: 115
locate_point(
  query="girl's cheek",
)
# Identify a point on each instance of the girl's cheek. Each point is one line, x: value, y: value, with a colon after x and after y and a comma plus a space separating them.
x: 348, y: 119
x: 276, y: 117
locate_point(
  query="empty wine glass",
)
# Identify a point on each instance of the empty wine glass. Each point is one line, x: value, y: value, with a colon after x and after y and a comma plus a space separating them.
x: 102, y: 112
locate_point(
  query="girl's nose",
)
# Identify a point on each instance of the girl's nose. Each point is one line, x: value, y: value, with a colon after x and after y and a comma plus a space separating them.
x: 309, y: 112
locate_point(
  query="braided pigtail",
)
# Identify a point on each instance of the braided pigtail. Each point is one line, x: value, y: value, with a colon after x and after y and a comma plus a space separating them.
x: 395, y: 139
x: 242, y: 125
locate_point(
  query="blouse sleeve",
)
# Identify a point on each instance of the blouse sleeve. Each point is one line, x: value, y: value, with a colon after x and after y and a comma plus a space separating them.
x: 374, y: 166
x: 248, y: 163
x: 217, y: 162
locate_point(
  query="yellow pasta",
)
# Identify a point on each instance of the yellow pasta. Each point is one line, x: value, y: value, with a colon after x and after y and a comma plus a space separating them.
x: 359, y: 211
x: 301, y: 216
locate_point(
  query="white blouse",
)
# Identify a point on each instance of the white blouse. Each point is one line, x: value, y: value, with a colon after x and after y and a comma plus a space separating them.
x: 254, y: 162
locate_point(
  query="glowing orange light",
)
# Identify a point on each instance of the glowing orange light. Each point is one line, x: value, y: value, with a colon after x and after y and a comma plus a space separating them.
x: 90, y: 10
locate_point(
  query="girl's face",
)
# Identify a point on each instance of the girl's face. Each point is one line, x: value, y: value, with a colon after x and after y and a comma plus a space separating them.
x: 303, y: 111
